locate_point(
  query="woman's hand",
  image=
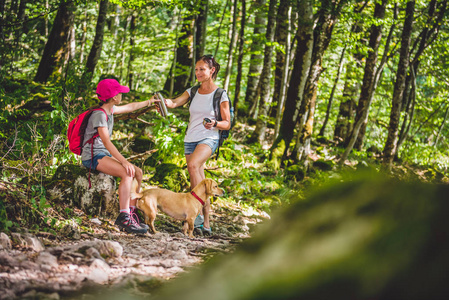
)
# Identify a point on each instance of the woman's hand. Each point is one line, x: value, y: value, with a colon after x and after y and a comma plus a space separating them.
x: 209, y: 125
x: 129, y: 168
x: 169, y: 103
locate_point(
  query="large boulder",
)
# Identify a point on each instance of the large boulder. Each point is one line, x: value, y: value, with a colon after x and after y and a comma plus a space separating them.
x: 70, y: 185
x: 370, y: 238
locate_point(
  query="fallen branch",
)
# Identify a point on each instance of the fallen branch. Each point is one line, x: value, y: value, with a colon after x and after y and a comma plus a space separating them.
x: 140, y: 155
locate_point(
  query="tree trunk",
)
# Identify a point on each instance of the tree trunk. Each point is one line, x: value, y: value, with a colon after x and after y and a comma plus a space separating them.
x: 132, y: 30
x: 175, y: 56
x: 95, y: 51
x: 256, y: 59
x: 328, y: 15
x: 282, y: 37
x: 261, y: 124
x: 201, y: 26
x: 395, y: 114
x: 83, y: 37
x: 331, y: 98
x: 219, y: 27
x: 56, y: 49
x: 301, y: 68
x: 241, y: 43
x: 184, y: 60
x: 344, y: 124
x: 227, y: 77
x: 426, y: 36
x: 368, y: 79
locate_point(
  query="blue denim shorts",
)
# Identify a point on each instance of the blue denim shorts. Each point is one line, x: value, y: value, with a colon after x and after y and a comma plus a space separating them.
x: 189, y: 147
x: 94, y: 161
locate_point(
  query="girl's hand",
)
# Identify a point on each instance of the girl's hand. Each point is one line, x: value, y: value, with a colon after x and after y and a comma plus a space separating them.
x: 153, y: 100
x: 129, y: 168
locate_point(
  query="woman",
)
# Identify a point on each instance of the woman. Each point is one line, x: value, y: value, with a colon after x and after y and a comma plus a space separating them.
x: 104, y: 156
x: 202, y: 138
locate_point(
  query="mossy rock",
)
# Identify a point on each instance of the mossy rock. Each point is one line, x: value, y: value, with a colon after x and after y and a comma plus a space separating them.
x: 171, y: 177
x: 294, y: 173
x: 368, y: 237
x: 141, y: 144
x: 70, y: 185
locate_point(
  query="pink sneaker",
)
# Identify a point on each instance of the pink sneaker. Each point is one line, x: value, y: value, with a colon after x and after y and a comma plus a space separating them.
x: 135, y: 216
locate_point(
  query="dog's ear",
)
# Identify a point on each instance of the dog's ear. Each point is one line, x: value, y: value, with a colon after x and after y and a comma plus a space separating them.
x: 208, y: 185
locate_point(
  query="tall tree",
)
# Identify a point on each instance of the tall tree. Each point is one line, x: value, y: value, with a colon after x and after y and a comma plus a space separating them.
x: 184, y: 56
x: 369, y: 78
x: 132, y: 42
x: 300, y: 73
x: 95, y: 51
x: 56, y: 51
x: 282, y: 37
x: 241, y: 42
x: 399, y: 86
x: 232, y: 43
x: 334, y: 87
x: 436, y: 14
x: 200, y: 28
x: 256, y: 59
x: 327, y: 17
x: 264, y: 82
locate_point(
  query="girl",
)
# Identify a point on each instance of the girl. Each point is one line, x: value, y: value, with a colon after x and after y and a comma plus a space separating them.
x: 202, y: 138
x: 105, y: 157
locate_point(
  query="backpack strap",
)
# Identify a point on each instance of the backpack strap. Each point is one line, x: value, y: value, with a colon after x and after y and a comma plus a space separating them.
x: 216, y: 101
x: 193, y: 91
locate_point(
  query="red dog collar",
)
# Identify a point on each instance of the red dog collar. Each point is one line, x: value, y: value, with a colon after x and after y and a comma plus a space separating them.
x: 198, y: 198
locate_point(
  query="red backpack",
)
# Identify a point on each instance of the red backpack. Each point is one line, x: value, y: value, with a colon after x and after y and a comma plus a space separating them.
x: 76, y: 130
x: 75, y: 134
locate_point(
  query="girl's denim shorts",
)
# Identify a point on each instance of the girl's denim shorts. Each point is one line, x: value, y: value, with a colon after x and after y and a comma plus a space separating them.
x: 94, y: 161
x: 189, y: 147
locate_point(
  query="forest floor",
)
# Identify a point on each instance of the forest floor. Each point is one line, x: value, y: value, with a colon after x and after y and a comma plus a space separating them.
x: 46, y: 266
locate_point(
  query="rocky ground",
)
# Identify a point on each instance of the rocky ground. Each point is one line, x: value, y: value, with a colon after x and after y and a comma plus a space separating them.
x: 76, y: 262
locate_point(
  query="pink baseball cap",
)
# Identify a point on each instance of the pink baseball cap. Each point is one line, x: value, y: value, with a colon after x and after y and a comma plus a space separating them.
x: 108, y: 88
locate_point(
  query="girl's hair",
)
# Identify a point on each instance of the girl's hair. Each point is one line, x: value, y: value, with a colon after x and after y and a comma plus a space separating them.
x: 212, y: 63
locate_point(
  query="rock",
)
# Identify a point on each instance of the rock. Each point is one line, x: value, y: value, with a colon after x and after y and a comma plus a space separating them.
x: 98, y: 276
x: 27, y: 241
x: 105, y: 248
x: 47, y: 259
x: 100, y: 264
x: 6, y: 260
x: 5, y: 241
x: 110, y: 249
x: 364, y: 238
x: 98, y: 200
x: 71, y: 231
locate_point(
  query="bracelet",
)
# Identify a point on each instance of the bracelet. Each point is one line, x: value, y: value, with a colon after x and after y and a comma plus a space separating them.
x: 215, y: 125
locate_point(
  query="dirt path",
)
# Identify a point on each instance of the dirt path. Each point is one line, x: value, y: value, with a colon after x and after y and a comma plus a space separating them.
x: 44, y: 266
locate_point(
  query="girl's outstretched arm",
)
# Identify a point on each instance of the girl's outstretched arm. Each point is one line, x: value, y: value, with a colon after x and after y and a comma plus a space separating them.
x: 130, y: 107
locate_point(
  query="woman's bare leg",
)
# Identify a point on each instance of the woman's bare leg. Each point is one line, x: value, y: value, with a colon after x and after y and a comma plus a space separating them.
x: 195, y: 166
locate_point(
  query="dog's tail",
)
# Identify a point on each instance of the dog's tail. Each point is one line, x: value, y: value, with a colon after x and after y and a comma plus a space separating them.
x: 134, y: 193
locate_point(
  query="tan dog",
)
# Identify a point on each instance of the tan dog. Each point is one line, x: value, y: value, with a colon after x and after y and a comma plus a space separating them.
x: 181, y: 206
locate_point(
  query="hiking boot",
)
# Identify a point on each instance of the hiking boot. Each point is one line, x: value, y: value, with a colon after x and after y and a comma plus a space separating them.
x: 125, y: 222
x: 199, y: 221
x: 135, y: 216
x: 206, y: 231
